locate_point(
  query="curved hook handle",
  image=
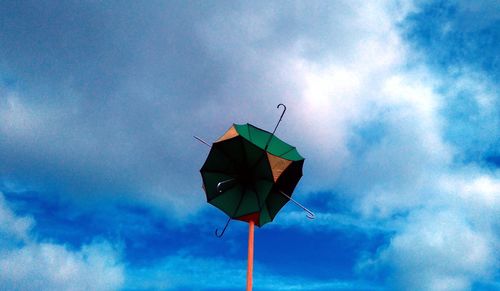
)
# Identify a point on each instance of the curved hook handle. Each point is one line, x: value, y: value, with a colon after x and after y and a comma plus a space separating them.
x: 282, y: 113
x: 309, y: 214
x: 223, y: 231
x: 284, y: 108
x: 222, y: 183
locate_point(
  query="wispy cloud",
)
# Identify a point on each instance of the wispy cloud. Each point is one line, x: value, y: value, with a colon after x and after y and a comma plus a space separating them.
x: 185, y: 271
x: 445, y: 251
x: 28, y: 264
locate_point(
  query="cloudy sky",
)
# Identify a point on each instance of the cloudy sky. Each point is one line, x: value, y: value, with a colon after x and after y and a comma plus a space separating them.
x: 394, y: 105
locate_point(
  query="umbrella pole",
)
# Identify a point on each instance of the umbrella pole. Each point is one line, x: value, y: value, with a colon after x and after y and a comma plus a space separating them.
x: 250, y: 255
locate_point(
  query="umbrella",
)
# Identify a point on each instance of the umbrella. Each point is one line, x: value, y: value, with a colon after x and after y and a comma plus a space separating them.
x: 250, y: 174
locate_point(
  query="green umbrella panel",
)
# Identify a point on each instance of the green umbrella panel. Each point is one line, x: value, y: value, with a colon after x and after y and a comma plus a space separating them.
x: 247, y: 172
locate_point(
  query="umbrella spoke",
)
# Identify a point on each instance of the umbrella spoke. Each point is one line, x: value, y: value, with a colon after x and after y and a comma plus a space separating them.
x: 291, y: 149
x: 265, y: 215
x: 239, y: 203
x: 222, y: 147
x: 249, y: 204
x: 263, y: 189
x: 202, y: 141
x: 229, y: 200
x: 218, y: 161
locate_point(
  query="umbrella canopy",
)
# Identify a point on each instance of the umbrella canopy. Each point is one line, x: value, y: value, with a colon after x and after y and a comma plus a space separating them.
x: 247, y: 172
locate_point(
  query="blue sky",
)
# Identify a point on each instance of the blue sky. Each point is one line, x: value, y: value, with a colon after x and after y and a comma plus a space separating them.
x: 394, y: 104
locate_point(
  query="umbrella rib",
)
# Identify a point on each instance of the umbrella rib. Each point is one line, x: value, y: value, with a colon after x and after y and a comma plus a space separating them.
x: 286, y: 152
x: 269, y: 212
x: 256, y: 196
x: 260, y: 158
x: 239, y: 204
x: 222, y: 193
x: 246, y: 162
x: 249, y: 133
x: 252, y: 170
x: 272, y: 214
x: 226, y: 155
x: 258, y: 161
x: 255, y: 165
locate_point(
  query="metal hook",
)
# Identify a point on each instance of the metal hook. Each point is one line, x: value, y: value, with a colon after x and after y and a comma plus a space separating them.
x: 223, y: 231
x: 223, y: 182
x: 283, y: 113
x: 309, y: 214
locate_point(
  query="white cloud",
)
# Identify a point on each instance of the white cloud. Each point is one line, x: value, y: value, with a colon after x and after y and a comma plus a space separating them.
x: 183, y: 271
x: 328, y: 221
x: 15, y: 117
x: 438, y: 250
x: 450, y: 242
x: 27, y: 264
x: 404, y: 170
x: 12, y: 227
x: 473, y: 106
x: 48, y: 266
x: 327, y: 66
x: 476, y: 190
